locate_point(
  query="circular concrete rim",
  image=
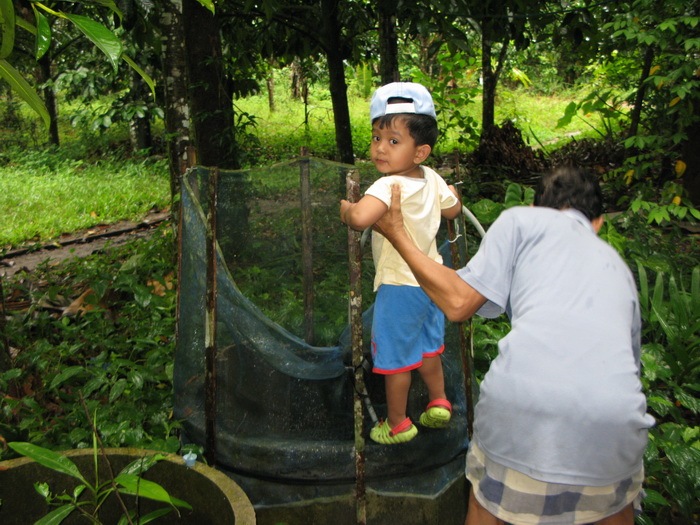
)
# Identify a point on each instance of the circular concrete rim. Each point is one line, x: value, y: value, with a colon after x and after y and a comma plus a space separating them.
x: 242, y: 507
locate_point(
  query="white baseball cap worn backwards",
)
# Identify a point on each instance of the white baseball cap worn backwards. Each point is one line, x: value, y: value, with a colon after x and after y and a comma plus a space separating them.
x: 421, y: 101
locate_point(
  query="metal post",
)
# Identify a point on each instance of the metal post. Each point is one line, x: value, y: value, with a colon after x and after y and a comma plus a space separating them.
x: 210, y: 322
x: 355, y: 314
x: 307, y: 247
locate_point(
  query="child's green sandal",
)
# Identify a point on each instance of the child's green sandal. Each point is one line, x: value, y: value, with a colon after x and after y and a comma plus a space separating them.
x: 437, y: 414
x: 401, y: 433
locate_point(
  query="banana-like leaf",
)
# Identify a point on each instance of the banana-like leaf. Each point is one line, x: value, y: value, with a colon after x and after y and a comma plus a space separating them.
x: 101, y: 36
x: 136, y: 486
x: 643, y: 287
x: 57, y: 516
x: 7, y: 28
x: 144, y: 75
x: 21, y: 22
x: 111, y: 6
x: 657, y: 298
x: 141, y: 465
x: 24, y: 90
x: 48, y: 458
x: 43, y: 34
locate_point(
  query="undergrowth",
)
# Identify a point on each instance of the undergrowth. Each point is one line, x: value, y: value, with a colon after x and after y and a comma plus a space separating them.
x: 101, y: 329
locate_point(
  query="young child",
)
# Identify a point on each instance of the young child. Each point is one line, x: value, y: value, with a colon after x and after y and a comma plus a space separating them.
x: 407, y: 329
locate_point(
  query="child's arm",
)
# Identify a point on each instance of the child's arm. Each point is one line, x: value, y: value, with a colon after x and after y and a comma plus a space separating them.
x: 453, y: 211
x: 363, y: 213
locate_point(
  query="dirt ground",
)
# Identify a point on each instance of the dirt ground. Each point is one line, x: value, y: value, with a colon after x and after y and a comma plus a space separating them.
x: 78, y: 244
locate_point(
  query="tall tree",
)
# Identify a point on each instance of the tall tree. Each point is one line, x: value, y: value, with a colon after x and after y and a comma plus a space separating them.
x: 174, y: 85
x: 388, y: 41
x: 666, y: 33
x: 336, y: 72
x: 209, y: 94
x: 306, y: 29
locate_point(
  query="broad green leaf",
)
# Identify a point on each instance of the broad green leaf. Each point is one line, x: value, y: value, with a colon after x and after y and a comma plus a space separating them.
x: 102, y: 37
x: 144, y: 75
x: 24, y: 90
x: 65, y: 375
x: 117, y: 390
x: 152, y: 516
x: 111, y: 6
x: 136, y: 486
x: 43, y: 34
x: 48, y: 458
x: 643, y: 287
x: 209, y: 4
x: 141, y: 465
x: 658, y: 295
x: 57, y: 516
x: 654, y: 497
x: 42, y: 489
x: 486, y: 210
x: 7, y: 28
x: 514, y: 195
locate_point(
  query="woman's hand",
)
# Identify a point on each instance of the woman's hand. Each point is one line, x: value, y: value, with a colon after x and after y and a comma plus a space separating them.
x: 390, y: 225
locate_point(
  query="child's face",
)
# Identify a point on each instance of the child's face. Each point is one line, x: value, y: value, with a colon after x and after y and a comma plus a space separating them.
x: 393, y: 150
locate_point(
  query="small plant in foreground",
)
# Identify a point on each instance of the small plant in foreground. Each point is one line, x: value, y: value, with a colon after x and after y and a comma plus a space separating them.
x: 87, y: 498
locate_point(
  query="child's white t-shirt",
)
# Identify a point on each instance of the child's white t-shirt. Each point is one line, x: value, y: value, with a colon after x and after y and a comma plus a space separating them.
x: 421, y: 203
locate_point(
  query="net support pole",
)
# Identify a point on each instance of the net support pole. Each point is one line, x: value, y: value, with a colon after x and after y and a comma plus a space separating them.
x: 307, y: 247
x: 465, y: 344
x: 355, y: 315
x: 210, y: 346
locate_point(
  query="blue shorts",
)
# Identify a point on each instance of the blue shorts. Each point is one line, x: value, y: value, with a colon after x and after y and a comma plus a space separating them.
x: 407, y: 327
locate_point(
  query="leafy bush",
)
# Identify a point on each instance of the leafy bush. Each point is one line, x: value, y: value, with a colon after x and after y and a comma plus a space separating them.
x: 111, y: 347
x: 671, y: 378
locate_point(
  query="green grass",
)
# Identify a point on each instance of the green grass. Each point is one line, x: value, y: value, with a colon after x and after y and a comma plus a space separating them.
x: 88, y: 181
x: 44, y: 194
x: 281, y: 133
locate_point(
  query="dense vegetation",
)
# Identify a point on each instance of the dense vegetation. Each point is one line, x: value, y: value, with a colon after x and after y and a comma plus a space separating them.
x: 101, y: 329
x: 620, y: 78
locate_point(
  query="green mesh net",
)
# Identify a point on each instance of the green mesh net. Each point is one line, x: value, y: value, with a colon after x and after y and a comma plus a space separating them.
x: 284, y: 407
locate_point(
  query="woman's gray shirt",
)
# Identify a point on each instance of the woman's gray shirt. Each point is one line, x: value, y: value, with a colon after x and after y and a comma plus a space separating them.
x: 562, y: 402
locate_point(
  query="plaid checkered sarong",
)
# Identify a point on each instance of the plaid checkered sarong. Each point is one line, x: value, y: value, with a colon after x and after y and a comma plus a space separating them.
x: 518, y: 499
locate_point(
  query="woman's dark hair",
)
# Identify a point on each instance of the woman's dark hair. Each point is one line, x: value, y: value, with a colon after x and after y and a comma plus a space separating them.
x: 570, y: 187
x: 422, y: 128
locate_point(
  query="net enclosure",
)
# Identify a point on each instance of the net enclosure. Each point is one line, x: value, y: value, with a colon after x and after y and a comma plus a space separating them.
x: 279, y: 409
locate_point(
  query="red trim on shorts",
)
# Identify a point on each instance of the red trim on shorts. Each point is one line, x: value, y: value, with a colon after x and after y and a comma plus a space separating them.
x: 397, y: 370
x: 435, y: 353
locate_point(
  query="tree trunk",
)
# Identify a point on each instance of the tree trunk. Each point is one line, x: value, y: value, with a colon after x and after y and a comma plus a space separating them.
x: 489, y: 88
x: 211, y: 112
x: 338, y: 87
x: 210, y: 102
x: 139, y: 127
x: 298, y: 79
x: 49, y: 98
x: 177, y: 111
x: 388, y: 45
x: 271, y: 91
x: 636, y: 113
